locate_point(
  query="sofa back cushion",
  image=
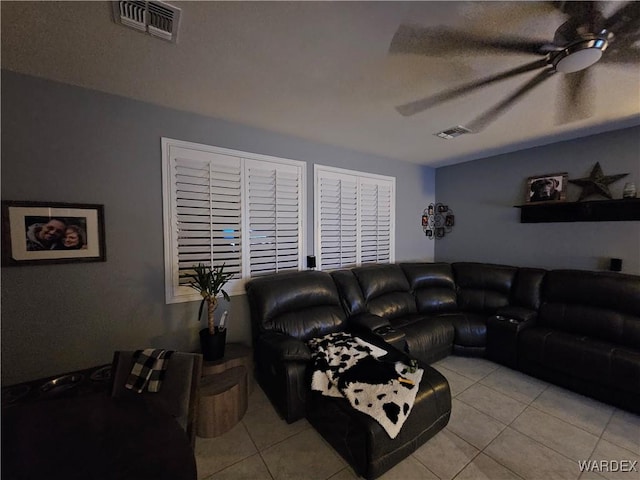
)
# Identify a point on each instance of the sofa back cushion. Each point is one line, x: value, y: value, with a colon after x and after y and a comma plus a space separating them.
x: 483, y: 287
x: 527, y: 288
x: 385, y: 290
x: 601, y: 305
x: 301, y: 304
x: 432, y: 285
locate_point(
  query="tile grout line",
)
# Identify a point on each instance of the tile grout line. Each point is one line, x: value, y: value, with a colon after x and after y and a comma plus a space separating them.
x: 510, y: 395
x: 527, y: 405
x: 482, y: 450
x: 266, y: 465
x: 539, y: 442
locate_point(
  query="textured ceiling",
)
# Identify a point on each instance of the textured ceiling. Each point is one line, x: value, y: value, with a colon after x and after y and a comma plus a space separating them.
x: 318, y: 70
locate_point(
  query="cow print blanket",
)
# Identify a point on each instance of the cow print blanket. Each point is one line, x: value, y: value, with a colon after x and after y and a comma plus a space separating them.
x: 347, y: 366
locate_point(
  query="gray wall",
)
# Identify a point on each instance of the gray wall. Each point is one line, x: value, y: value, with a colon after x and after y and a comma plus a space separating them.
x: 67, y: 144
x: 482, y: 194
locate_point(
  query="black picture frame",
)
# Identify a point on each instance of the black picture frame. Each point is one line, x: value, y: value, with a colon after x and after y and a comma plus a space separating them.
x: 40, y: 233
x: 549, y: 188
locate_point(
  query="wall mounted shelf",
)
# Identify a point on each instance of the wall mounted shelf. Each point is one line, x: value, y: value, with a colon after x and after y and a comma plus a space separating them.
x: 625, y: 209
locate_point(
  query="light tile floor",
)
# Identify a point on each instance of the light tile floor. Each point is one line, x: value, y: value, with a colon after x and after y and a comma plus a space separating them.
x: 504, y: 425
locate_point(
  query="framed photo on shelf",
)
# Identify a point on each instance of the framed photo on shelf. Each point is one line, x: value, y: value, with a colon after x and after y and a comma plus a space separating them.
x: 36, y: 233
x: 547, y: 188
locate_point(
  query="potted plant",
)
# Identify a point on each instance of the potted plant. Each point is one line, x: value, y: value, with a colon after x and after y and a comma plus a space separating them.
x: 208, y: 281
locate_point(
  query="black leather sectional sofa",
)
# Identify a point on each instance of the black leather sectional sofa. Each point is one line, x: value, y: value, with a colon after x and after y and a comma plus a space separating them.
x: 577, y: 329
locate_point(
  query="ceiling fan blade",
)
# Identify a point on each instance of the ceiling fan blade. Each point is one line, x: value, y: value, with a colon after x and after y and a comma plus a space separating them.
x: 576, y: 99
x: 438, y: 41
x: 583, y: 17
x: 571, y: 7
x: 625, y: 20
x: 479, y: 123
x: 418, y: 106
x: 621, y: 55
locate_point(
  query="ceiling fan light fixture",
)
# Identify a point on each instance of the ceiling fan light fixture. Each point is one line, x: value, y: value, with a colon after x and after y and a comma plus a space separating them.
x: 580, y: 55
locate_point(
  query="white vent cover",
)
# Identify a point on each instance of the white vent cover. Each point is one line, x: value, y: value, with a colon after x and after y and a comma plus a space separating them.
x: 452, y: 132
x: 156, y: 18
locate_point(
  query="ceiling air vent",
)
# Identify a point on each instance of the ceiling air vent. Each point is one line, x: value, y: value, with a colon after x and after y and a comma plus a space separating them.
x: 156, y: 18
x: 453, y: 132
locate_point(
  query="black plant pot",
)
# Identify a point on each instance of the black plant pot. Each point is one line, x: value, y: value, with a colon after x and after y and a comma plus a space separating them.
x: 212, y: 345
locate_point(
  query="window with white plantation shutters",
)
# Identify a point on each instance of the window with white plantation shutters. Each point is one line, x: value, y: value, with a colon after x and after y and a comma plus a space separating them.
x: 227, y: 207
x: 354, y: 218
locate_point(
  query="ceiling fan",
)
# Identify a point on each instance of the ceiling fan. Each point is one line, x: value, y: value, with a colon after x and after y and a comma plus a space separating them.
x: 584, y: 39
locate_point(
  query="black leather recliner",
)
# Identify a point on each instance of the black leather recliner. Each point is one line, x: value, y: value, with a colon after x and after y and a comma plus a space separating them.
x: 290, y: 308
x: 587, y: 335
x: 287, y: 309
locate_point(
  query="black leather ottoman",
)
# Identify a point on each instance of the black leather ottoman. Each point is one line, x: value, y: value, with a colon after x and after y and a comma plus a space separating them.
x: 364, y: 444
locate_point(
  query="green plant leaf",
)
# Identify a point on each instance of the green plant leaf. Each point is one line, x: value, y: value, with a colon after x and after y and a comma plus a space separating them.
x: 209, y: 280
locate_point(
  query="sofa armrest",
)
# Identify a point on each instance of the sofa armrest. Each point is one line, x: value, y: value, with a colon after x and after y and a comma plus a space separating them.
x: 520, y: 314
x: 284, y: 347
x: 375, y: 326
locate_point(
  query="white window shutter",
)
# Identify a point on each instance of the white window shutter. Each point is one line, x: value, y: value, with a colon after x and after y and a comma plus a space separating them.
x: 338, y: 210
x: 375, y: 222
x: 274, y: 217
x: 208, y: 208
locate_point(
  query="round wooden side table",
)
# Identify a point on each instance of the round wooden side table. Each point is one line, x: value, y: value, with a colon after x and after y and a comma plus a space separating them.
x: 224, y: 390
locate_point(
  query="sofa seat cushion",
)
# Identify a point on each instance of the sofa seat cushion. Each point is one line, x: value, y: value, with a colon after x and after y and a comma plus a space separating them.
x: 470, y: 328
x: 428, y: 339
x: 408, y: 319
x: 581, y: 356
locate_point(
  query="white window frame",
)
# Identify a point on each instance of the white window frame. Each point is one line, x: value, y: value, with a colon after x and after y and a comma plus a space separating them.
x: 360, y: 178
x: 174, y: 292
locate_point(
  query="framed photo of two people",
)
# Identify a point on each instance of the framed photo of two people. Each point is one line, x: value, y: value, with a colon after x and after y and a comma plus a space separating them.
x: 51, y: 232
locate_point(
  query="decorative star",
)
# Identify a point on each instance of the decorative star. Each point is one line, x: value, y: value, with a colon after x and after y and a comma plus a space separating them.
x: 596, y: 183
